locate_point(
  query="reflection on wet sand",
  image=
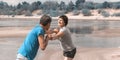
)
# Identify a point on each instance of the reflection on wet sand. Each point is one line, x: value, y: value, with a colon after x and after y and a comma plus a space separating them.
x: 95, y: 40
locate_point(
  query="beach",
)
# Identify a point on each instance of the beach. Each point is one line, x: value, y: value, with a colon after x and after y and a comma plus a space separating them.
x: 96, y: 45
x: 9, y: 47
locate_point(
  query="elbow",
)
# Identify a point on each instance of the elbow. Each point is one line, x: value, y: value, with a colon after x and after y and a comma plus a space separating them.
x: 42, y: 49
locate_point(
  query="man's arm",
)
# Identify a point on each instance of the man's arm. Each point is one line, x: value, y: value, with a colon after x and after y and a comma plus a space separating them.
x: 43, y: 42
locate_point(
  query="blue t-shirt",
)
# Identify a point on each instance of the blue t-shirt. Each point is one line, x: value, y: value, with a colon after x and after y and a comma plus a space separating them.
x: 30, y: 46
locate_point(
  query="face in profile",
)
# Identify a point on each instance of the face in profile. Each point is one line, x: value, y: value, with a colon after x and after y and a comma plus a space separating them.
x: 48, y: 26
x: 61, y: 22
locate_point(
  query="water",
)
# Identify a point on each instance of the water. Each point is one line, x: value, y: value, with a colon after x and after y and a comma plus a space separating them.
x: 91, y: 41
x: 81, y: 31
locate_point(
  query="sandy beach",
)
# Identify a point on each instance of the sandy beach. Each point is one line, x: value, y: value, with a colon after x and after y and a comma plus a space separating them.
x: 10, y: 42
x: 86, y: 54
x: 9, y: 49
x: 12, y: 37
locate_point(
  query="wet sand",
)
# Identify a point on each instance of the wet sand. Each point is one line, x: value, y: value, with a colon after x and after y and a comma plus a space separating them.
x: 85, y: 54
x: 10, y: 41
x: 9, y: 51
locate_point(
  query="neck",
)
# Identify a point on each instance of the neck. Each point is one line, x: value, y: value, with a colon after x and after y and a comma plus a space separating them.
x: 62, y: 26
x: 42, y: 26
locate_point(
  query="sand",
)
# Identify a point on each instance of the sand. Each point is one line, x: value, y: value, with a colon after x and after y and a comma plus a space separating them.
x: 10, y: 41
x: 9, y: 51
x: 9, y: 47
x: 86, y: 54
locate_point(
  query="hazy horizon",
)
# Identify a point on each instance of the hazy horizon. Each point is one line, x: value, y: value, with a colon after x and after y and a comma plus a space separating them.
x: 15, y: 2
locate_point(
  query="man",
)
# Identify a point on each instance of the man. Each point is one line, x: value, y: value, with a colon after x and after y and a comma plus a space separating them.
x: 35, y: 39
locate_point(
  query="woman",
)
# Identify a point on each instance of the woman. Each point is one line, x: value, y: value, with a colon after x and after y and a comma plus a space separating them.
x: 64, y: 36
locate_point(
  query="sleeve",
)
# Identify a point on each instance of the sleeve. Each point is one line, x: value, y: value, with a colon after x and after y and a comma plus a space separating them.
x: 40, y: 32
x: 62, y: 30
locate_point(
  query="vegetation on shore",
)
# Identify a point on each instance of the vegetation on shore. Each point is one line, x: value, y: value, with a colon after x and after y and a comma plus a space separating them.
x: 54, y: 8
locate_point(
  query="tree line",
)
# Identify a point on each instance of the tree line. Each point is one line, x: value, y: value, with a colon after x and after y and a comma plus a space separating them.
x: 53, y: 8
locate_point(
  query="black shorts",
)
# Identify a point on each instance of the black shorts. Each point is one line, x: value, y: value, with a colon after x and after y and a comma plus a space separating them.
x: 70, y: 54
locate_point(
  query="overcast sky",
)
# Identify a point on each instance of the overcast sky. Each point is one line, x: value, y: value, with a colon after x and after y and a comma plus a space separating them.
x: 14, y: 2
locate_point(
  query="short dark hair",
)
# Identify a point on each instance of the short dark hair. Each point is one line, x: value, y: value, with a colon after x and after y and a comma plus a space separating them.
x: 65, y: 19
x: 45, y: 19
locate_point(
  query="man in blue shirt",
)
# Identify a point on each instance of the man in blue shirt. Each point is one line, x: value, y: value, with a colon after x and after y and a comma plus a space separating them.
x: 34, y: 39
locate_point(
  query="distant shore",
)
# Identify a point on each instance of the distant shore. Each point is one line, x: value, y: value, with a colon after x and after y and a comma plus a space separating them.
x: 69, y: 16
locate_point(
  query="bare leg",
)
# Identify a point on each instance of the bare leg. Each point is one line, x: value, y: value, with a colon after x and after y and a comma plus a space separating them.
x: 67, y: 58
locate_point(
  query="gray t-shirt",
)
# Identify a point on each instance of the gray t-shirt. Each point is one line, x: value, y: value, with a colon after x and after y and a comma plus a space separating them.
x: 66, y: 40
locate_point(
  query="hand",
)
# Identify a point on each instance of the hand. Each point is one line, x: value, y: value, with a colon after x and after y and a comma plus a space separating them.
x: 56, y: 30
x: 49, y: 31
x: 50, y: 37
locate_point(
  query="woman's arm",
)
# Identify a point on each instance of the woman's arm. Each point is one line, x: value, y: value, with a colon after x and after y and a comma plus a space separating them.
x: 54, y: 34
x: 58, y: 35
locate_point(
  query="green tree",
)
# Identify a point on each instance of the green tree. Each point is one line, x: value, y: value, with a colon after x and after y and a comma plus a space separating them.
x: 98, y: 6
x: 106, y: 4
x: 86, y: 12
x: 19, y: 6
x: 116, y: 6
x: 25, y: 5
x: 78, y: 3
x: 71, y: 6
x: 50, y: 6
x: 36, y: 5
x: 62, y: 6
x: 89, y: 5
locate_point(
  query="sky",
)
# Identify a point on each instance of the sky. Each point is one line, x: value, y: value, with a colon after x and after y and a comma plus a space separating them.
x: 15, y: 2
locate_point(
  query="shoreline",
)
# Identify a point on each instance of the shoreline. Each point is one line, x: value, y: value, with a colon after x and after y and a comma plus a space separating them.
x: 70, y: 17
x: 7, y: 32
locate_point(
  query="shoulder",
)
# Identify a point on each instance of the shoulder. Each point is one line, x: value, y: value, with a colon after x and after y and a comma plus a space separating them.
x: 38, y: 30
x: 63, y: 29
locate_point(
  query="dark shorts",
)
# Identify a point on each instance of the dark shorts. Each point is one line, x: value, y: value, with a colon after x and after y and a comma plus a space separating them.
x: 70, y: 54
